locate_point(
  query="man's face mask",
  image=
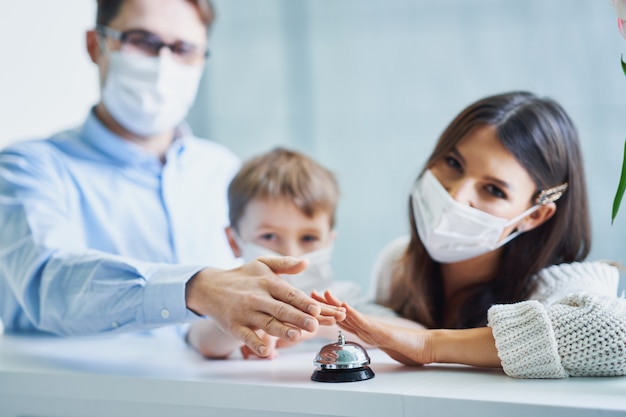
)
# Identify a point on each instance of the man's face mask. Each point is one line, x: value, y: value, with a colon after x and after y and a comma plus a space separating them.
x: 149, y: 95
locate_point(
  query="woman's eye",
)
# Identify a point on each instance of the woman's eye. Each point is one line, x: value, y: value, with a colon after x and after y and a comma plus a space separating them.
x: 453, y: 163
x: 269, y: 237
x: 495, y: 191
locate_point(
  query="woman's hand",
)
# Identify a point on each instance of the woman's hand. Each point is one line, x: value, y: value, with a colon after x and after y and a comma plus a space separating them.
x: 415, y: 346
x: 410, y: 346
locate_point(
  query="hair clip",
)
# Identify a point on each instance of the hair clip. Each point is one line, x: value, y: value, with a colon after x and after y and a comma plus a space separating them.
x: 550, y: 195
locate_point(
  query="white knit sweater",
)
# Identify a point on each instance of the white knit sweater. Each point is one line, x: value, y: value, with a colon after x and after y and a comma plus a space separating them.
x: 572, y: 325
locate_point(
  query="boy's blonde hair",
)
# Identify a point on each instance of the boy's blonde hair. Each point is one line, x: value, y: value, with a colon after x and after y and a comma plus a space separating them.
x: 283, y: 174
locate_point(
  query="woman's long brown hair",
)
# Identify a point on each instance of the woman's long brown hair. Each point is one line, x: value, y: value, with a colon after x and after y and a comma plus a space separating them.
x: 543, y: 139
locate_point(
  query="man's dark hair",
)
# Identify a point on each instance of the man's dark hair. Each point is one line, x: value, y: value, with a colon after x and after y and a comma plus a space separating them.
x: 108, y: 9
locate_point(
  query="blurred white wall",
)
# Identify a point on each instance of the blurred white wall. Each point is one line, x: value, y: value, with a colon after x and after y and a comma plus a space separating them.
x: 47, y: 82
x: 363, y: 86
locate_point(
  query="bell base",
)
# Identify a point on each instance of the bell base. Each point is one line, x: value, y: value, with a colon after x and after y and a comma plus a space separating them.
x: 342, y: 375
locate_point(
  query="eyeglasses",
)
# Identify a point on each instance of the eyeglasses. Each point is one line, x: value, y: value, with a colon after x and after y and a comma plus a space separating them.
x: 142, y: 42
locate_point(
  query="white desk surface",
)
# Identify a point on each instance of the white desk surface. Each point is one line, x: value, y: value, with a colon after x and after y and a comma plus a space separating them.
x: 158, y: 375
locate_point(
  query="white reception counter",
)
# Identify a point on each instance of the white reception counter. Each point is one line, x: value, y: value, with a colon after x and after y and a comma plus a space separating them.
x: 158, y: 375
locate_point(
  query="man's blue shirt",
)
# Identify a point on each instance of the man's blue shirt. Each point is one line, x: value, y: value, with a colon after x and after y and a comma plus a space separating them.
x: 98, y: 235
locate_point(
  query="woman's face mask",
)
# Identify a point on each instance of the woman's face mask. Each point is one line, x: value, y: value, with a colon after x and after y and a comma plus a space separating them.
x: 149, y: 95
x: 451, y: 231
x: 317, y: 275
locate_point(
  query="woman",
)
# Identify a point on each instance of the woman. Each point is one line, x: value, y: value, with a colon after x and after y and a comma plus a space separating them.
x: 493, y: 269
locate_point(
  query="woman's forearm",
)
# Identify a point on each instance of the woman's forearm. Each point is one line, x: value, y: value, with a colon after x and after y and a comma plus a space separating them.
x: 475, y: 347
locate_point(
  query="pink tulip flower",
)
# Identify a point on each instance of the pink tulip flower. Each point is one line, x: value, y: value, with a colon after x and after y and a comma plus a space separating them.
x: 620, y: 10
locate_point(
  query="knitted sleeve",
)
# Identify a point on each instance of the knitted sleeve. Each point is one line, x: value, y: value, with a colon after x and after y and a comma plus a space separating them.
x: 558, y: 281
x: 582, y: 334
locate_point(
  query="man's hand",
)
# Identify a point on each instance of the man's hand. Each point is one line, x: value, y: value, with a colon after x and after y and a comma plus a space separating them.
x: 269, y: 341
x: 253, y: 297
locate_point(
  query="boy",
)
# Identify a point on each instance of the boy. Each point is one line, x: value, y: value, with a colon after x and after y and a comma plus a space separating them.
x: 281, y: 203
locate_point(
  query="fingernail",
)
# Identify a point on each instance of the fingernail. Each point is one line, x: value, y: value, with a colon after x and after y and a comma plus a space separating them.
x: 262, y: 350
x: 314, y: 310
x: 292, y: 334
x: 310, y: 324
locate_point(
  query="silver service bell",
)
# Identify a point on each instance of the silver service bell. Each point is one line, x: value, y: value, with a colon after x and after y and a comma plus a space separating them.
x: 342, y: 362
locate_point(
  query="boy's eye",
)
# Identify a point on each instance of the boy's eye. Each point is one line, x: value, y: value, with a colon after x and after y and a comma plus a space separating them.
x: 268, y: 237
x: 495, y: 191
x: 309, y: 238
x: 453, y: 163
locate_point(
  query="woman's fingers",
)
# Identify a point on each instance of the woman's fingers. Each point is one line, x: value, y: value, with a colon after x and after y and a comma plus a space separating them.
x: 331, y: 299
x: 317, y: 297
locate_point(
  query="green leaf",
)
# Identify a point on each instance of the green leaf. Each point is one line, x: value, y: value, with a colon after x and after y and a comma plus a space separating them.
x: 623, y: 65
x: 622, y: 184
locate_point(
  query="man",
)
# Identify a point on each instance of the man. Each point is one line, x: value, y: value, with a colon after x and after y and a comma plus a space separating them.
x: 109, y: 227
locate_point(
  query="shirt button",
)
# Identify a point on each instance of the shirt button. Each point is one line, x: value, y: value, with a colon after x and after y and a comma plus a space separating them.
x: 165, y: 313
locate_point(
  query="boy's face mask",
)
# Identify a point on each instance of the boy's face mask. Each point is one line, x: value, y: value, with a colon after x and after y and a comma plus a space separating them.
x: 316, y: 276
x: 451, y: 231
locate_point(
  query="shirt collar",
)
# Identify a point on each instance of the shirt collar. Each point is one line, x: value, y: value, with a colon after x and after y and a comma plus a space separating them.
x: 120, y: 150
